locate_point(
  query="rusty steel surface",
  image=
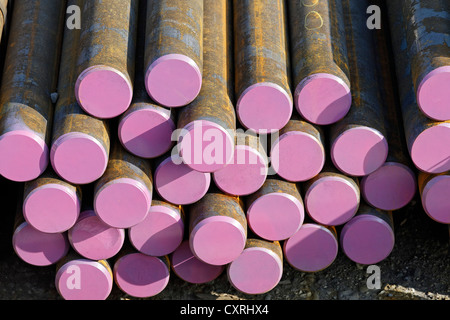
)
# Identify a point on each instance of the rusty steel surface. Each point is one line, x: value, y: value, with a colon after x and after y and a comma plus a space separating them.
x: 215, y: 100
x: 275, y: 185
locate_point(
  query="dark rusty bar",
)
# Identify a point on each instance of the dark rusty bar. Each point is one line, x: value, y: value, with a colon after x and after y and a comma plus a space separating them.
x: 217, y: 228
x: 393, y: 185
x: 262, y: 74
x: 174, y: 51
x: 207, y: 125
x: 259, y: 267
x: 29, y: 79
x: 249, y: 168
x: 358, y: 141
x: 275, y: 211
x: 298, y: 153
x: 123, y: 195
x: 320, y: 66
x: 106, y: 57
x: 427, y: 140
x: 428, y: 41
x: 434, y: 190
x: 368, y: 238
x: 331, y: 197
x: 146, y: 128
x: 51, y: 204
x: 80, y: 142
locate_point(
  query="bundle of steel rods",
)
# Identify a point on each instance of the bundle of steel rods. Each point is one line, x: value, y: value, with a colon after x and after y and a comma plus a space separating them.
x: 153, y: 139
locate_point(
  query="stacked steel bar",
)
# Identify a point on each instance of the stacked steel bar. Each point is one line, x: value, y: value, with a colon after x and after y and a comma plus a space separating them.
x: 264, y: 99
x: 29, y: 78
x: 207, y: 125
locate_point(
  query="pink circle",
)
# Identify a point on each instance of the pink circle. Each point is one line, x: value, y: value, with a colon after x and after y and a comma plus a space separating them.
x: 24, y: 155
x: 160, y: 233
x: 313, y: 248
x: 122, y: 203
x: 39, y: 248
x: 430, y: 152
x: 245, y: 174
x: 264, y: 107
x: 206, y: 146
x: 140, y: 275
x: 433, y: 95
x: 93, y: 239
x: 367, y: 239
x: 255, y: 271
x: 177, y: 183
x: 275, y: 216
x: 190, y: 269
x: 323, y: 98
x: 103, y: 92
x: 84, y: 279
x: 52, y: 208
x: 217, y: 240
x: 359, y: 151
x: 390, y: 187
x: 173, y: 80
x: 297, y: 156
x: 78, y: 158
x: 146, y: 132
x: 332, y: 192
x: 435, y: 199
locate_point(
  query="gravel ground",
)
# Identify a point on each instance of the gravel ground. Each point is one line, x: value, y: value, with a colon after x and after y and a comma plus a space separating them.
x: 417, y: 269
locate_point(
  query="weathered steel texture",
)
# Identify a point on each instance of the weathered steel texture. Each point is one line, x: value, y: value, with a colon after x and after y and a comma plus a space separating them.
x: 107, y: 42
x: 317, y: 33
x: 261, y: 56
x: 427, y: 25
x: 69, y: 117
x: 273, y: 246
x: 216, y: 204
x: 275, y: 185
x: 415, y: 122
x: 367, y: 108
x: 31, y: 70
x: 215, y: 100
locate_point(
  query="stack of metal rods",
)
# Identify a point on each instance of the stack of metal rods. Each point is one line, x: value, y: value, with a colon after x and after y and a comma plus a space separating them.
x: 166, y: 139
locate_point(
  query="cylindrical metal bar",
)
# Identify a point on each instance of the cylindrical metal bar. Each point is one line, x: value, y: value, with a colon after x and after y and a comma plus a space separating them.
x: 427, y: 140
x: 358, y: 141
x: 217, y: 228
x: 161, y: 232
x: 248, y: 169
x: 178, y: 183
x: 434, y: 190
x: 320, y: 64
x: 35, y: 247
x: 80, y: 142
x: 123, y: 195
x: 264, y: 99
x: 146, y: 128
x: 78, y: 278
x: 207, y: 125
x: 393, y: 185
x: 259, y: 267
x: 93, y: 239
x: 141, y: 275
x: 298, y: 153
x: 314, y: 247
x: 174, y: 51
x: 428, y: 42
x: 331, y: 198
x: 29, y: 78
x: 275, y: 212
x: 191, y: 269
x: 51, y: 204
x: 368, y: 238
x: 104, y: 87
